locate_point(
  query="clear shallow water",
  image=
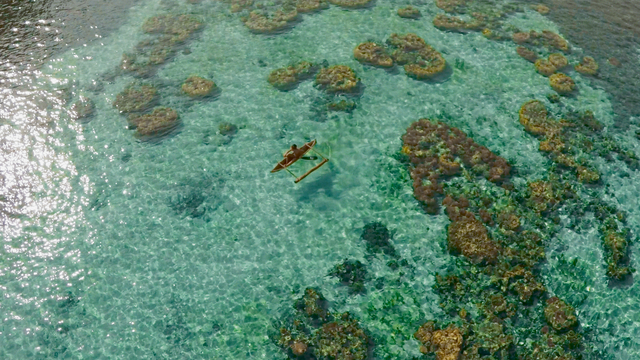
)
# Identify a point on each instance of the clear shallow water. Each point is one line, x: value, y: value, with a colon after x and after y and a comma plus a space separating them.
x: 97, y: 264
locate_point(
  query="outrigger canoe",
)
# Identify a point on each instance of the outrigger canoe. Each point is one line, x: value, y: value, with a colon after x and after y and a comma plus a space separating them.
x: 294, y: 154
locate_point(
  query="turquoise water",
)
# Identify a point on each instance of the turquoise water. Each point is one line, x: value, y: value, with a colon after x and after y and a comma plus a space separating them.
x: 98, y: 263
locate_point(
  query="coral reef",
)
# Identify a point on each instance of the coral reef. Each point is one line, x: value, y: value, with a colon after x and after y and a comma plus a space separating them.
x: 541, y: 196
x: 373, y: 54
x: 452, y: 23
x: 527, y: 54
x: 170, y: 31
x: 429, y: 64
x: 180, y: 25
x: 446, y: 343
x: 436, y: 150
x: 562, y: 83
x: 563, y: 140
x: 337, y: 78
x: 135, y: 98
x: 533, y: 116
x: 541, y: 8
x: 341, y: 339
x: 545, y: 67
x: 288, y: 78
x: 555, y: 41
x: 264, y: 24
x: 451, y: 6
x: 409, y: 12
x: 558, y: 60
x: 159, y: 123
x: 197, y: 87
x: 306, y: 6
x: 468, y: 236
x: 351, y: 4
x: 352, y: 273
x: 239, y: 5
x: 587, y: 66
x: 616, y: 248
x: 547, y: 38
x: 315, y: 333
x: 559, y: 314
x: 420, y: 60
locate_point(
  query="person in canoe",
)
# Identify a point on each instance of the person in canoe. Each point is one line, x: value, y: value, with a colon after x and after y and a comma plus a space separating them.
x: 296, y: 153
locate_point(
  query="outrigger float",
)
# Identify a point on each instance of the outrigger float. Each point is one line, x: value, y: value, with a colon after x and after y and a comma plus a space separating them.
x: 294, y: 154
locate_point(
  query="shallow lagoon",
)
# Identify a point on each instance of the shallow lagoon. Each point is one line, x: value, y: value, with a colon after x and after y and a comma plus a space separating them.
x: 107, y: 268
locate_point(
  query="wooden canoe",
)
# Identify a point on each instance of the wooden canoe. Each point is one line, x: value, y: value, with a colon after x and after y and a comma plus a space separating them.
x: 290, y: 159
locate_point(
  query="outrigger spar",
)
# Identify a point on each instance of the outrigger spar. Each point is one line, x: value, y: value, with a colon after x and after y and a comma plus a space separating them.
x: 294, y: 154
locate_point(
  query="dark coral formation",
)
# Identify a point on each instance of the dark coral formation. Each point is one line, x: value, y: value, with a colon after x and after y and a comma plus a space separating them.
x: 289, y: 77
x: 227, y: 129
x: 436, y: 150
x: 315, y: 333
x: 378, y: 239
x: 352, y: 273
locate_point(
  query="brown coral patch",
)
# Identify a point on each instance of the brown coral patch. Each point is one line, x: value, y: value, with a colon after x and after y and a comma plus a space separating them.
x: 135, y: 98
x: 372, y: 53
x: 436, y: 149
x: 337, y: 78
x: 558, y: 60
x: 260, y: 23
x: 545, y: 67
x: 306, y: 6
x: 559, y: 314
x: 450, y: 23
x: 587, y: 66
x: 470, y: 238
x: 527, y: 54
x: 554, y: 40
x: 160, y: 122
x: 196, y: 86
x: 562, y: 83
x: 352, y: 4
x: 409, y: 12
x: 451, y: 5
x: 446, y: 343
